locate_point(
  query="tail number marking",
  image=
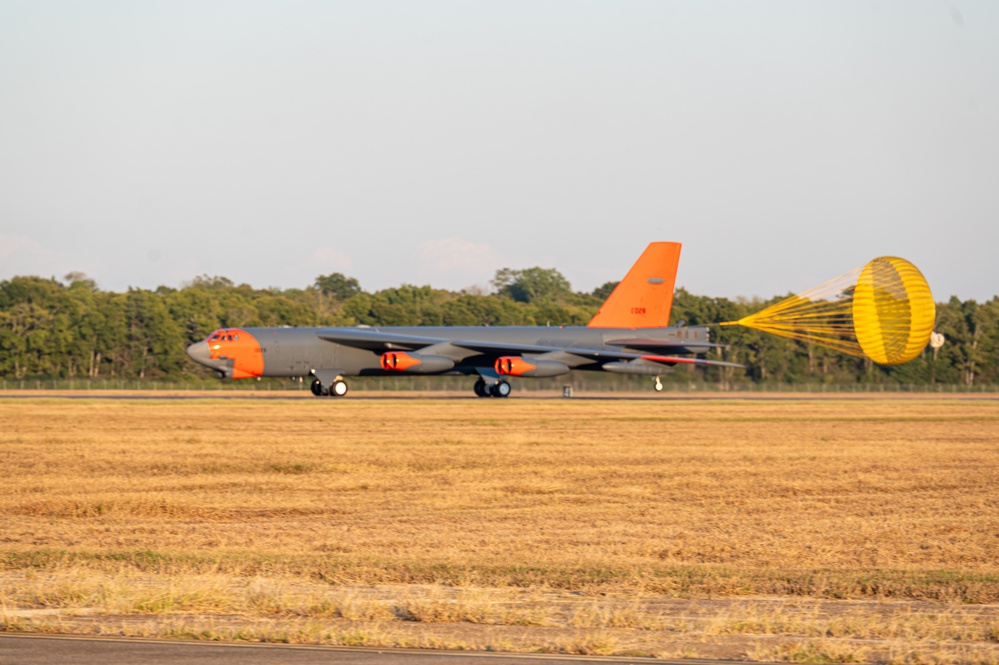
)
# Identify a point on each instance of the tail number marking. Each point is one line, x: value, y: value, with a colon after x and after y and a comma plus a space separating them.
x: 638, y: 310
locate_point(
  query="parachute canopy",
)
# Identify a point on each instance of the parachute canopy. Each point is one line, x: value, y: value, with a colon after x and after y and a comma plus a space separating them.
x: 883, y: 311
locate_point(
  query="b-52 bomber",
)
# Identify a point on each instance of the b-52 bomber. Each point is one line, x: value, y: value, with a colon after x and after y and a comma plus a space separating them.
x: 630, y: 334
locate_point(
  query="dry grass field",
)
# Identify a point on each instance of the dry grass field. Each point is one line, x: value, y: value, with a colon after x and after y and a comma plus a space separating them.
x: 830, y: 530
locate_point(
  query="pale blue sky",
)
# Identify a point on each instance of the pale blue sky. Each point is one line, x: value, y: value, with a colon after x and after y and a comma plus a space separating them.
x: 783, y: 143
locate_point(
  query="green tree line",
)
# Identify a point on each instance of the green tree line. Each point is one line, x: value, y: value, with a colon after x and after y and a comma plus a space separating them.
x: 72, y: 329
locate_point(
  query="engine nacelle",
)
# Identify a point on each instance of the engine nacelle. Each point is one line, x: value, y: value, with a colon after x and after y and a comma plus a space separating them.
x: 414, y: 363
x: 529, y: 367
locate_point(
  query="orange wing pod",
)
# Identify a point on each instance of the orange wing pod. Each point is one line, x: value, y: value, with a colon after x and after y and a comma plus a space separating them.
x: 512, y: 366
x: 398, y: 361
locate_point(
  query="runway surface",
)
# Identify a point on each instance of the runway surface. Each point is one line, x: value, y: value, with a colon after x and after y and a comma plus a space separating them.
x: 404, y: 395
x: 21, y: 649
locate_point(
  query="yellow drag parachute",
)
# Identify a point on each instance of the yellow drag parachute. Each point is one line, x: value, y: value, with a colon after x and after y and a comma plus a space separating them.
x: 883, y: 311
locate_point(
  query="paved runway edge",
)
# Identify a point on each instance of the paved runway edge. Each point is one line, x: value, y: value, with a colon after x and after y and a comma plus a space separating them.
x: 31, y: 648
x: 362, y: 396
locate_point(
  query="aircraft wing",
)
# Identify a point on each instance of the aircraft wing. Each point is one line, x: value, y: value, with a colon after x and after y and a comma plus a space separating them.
x: 591, y: 354
x: 374, y: 340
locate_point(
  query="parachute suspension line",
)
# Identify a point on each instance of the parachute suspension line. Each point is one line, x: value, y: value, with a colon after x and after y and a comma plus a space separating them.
x: 822, y: 315
x: 883, y: 311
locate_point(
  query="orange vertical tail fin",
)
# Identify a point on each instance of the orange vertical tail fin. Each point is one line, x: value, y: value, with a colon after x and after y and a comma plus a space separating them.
x: 644, y: 297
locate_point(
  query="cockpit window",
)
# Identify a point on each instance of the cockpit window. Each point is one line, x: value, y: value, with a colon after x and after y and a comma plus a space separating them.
x: 223, y: 336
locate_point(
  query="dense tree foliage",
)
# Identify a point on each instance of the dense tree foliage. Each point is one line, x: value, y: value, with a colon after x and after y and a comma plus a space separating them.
x: 72, y: 329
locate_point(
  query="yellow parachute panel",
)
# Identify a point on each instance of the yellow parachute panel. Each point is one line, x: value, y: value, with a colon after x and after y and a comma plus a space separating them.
x: 893, y: 311
x: 883, y: 311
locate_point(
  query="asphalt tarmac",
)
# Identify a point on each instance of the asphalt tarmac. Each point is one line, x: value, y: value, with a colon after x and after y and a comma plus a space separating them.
x: 599, y: 397
x: 23, y: 649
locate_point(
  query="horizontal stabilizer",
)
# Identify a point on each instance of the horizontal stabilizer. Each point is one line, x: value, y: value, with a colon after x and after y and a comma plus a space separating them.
x: 639, y: 343
x: 672, y: 360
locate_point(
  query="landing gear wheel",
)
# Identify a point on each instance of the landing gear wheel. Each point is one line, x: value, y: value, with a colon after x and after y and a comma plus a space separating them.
x: 658, y: 386
x: 480, y: 388
x: 501, y: 389
x: 338, y: 389
x: 317, y: 388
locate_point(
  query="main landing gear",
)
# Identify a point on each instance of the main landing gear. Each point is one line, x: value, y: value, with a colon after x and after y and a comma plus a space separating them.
x: 498, y: 389
x: 337, y: 389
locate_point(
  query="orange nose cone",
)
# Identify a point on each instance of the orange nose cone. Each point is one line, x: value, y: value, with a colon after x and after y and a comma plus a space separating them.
x: 241, y: 348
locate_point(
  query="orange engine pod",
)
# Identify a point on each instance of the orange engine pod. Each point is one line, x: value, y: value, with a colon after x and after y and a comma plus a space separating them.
x: 414, y: 363
x: 530, y: 367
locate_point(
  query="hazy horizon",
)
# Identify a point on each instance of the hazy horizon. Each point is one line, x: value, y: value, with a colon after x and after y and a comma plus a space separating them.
x: 783, y: 144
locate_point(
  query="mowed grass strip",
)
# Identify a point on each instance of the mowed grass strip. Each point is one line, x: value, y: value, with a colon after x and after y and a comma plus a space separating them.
x: 843, y: 499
